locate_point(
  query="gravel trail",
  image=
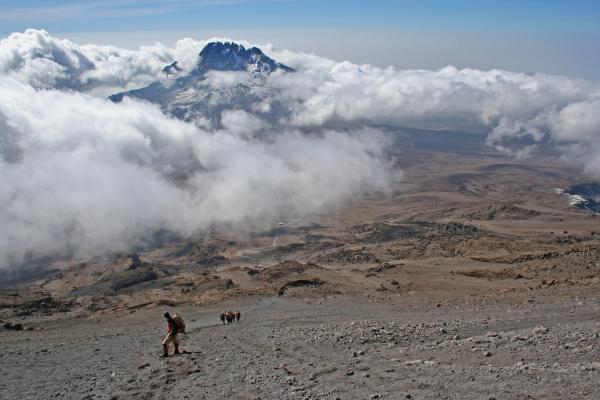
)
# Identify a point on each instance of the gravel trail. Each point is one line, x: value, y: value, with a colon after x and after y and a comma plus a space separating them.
x: 343, y: 348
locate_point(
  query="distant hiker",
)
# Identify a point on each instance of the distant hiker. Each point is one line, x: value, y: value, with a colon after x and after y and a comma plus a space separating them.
x: 230, y: 317
x: 223, y: 318
x: 238, y: 315
x: 176, y: 325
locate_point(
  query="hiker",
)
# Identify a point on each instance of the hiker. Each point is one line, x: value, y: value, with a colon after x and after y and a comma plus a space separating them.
x: 238, y: 315
x: 230, y: 317
x: 223, y: 318
x: 175, y: 326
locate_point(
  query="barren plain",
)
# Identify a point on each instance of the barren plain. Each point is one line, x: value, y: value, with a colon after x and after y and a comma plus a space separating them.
x: 471, y: 279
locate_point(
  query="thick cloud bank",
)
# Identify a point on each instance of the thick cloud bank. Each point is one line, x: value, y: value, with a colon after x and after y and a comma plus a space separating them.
x: 520, y: 112
x: 42, y: 61
x: 573, y: 130
x: 84, y: 176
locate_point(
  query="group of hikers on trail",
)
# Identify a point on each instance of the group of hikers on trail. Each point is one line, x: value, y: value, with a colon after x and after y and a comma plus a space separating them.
x: 230, y: 316
x: 176, y: 325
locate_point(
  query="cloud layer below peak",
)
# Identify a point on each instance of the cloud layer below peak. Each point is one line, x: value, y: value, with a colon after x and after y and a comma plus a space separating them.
x: 36, y: 58
x: 84, y: 176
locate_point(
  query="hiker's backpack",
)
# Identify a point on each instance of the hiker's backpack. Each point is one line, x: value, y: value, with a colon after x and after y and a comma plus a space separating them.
x: 180, y: 323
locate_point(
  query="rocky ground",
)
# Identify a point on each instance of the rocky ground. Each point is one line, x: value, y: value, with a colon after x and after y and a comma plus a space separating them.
x: 339, y: 347
x: 474, y: 279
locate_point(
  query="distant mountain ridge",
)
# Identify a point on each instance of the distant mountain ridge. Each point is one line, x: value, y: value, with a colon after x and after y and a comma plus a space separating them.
x: 190, y: 96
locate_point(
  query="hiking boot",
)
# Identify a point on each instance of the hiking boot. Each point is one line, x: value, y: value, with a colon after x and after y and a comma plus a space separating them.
x: 177, y: 352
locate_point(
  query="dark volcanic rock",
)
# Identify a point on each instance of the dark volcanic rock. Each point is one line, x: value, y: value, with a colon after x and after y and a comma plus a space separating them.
x: 191, y: 96
x: 12, y: 326
x: 131, y: 278
x: 29, y: 303
x: 284, y: 269
x: 453, y: 229
x: 382, y: 232
x: 351, y: 256
x: 202, y: 254
x: 231, y: 56
x: 299, y: 283
x: 136, y: 262
x: 126, y: 281
x: 507, y: 211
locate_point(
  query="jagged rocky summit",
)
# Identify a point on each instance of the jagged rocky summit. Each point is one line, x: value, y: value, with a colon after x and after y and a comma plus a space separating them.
x: 235, y: 57
x: 192, y: 96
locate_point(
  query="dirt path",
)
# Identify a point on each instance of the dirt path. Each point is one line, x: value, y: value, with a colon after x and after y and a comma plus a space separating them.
x: 344, y: 348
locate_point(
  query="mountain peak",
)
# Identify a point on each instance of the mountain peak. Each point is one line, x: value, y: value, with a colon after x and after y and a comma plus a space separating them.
x: 230, y: 56
x: 188, y: 97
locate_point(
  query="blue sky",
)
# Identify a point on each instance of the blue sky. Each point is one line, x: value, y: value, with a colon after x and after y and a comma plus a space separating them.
x: 463, y: 32
x: 110, y: 15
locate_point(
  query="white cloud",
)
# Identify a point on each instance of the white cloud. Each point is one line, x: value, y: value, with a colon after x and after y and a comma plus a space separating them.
x: 573, y: 130
x: 84, y: 176
x: 521, y: 112
x: 42, y: 61
x: 223, y: 80
x: 448, y: 97
x: 242, y: 124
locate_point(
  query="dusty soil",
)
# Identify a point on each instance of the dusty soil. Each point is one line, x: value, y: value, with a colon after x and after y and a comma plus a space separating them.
x: 473, y: 279
x: 347, y: 348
